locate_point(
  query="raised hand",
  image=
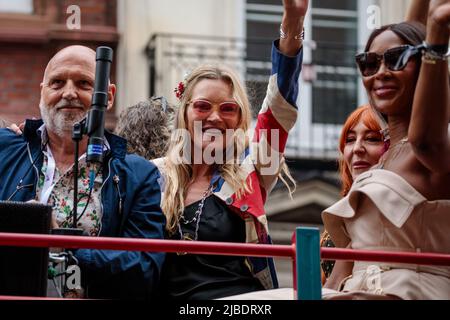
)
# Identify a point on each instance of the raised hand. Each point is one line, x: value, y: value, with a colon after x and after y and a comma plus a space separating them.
x: 440, y: 12
x: 418, y: 11
x: 438, y: 27
x: 292, y: 26
x: 436, y: 3
x: 295, y: 8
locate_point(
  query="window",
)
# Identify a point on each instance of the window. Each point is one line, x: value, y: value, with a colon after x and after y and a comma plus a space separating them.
x: 263, y: 18
x: 329, y: 81
x: 334, y: 29
x: 16, y: 6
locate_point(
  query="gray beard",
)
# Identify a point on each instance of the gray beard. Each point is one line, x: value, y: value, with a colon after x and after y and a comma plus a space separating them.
x: 60, y: 123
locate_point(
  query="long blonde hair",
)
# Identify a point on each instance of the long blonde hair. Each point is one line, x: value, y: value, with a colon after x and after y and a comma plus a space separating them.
x: 177, y: 174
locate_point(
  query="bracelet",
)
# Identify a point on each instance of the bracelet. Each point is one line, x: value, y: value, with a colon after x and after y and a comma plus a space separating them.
x: 428, y: 60
x: 438, y: 48
x: 435, y: 52
x: 299, y: 37
x: 431, y: 58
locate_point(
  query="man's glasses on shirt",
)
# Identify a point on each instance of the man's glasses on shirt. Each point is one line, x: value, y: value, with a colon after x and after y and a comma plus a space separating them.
x: 395, y: 59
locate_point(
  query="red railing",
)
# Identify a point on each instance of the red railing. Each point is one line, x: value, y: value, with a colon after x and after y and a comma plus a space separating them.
x: 217, y: 248
x: 197, y: 247
x: 385, y: 256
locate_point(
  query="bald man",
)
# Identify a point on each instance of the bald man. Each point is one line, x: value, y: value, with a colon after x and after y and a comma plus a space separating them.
x: 124, y: 200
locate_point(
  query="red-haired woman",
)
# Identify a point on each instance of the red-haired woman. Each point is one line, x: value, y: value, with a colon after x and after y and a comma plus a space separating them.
x: 361, y: 145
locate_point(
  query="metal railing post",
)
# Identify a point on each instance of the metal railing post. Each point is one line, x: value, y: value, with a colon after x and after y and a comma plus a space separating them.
x: 309, y: 286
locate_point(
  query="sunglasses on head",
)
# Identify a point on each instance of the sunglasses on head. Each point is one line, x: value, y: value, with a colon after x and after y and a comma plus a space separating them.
x: 395, y: 59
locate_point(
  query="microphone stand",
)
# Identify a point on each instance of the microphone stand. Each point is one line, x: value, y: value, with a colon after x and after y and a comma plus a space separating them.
x: 62, y: 258
x: 79, y: 129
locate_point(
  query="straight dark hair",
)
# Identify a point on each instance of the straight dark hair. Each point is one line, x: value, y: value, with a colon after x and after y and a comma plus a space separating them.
x: 412, y: 33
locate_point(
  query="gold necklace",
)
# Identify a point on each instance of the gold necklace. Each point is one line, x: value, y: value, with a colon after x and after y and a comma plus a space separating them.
x: 390, y: 155
x: 401, y: 142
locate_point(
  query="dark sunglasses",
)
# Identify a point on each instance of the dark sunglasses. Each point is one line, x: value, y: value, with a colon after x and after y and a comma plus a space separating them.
x: 395, y: 59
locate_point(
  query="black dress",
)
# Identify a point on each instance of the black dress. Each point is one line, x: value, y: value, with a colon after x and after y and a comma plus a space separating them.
x: 204, y: 277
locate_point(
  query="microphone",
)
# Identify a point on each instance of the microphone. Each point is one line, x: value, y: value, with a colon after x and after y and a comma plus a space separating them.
x: 96, y: 117
x: 94, y: 127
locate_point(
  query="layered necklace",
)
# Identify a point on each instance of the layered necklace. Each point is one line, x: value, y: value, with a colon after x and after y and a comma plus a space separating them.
x: 195, y: 219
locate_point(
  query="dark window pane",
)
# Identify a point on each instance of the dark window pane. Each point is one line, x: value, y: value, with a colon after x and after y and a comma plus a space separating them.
x: 335, y: 4
x: 260, y: 49
x: 272, y: 2
x: 335, y: 54
x: 332, y: 105
x: 335, y: 35
x: 260, y: 29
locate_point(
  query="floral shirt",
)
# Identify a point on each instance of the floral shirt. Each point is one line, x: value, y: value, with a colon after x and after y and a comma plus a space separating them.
x: 56, y: 189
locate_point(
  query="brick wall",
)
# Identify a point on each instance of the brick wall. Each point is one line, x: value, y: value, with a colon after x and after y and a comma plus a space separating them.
x: 21, y: 70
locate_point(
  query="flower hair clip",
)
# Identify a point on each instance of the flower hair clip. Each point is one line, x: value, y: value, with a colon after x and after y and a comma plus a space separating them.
x: 179, y: 90
x: 181, y: 87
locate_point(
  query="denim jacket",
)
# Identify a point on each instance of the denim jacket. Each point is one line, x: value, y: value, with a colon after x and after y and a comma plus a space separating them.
x: 130, y: 198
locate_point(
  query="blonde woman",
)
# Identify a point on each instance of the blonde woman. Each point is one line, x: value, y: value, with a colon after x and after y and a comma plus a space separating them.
x: 215, y: 185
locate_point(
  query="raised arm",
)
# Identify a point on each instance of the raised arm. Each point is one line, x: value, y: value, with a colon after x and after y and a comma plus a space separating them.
x: 428, y: 130
x: 292, y: 26
x: 279, y: 110
x: 418, y: 11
